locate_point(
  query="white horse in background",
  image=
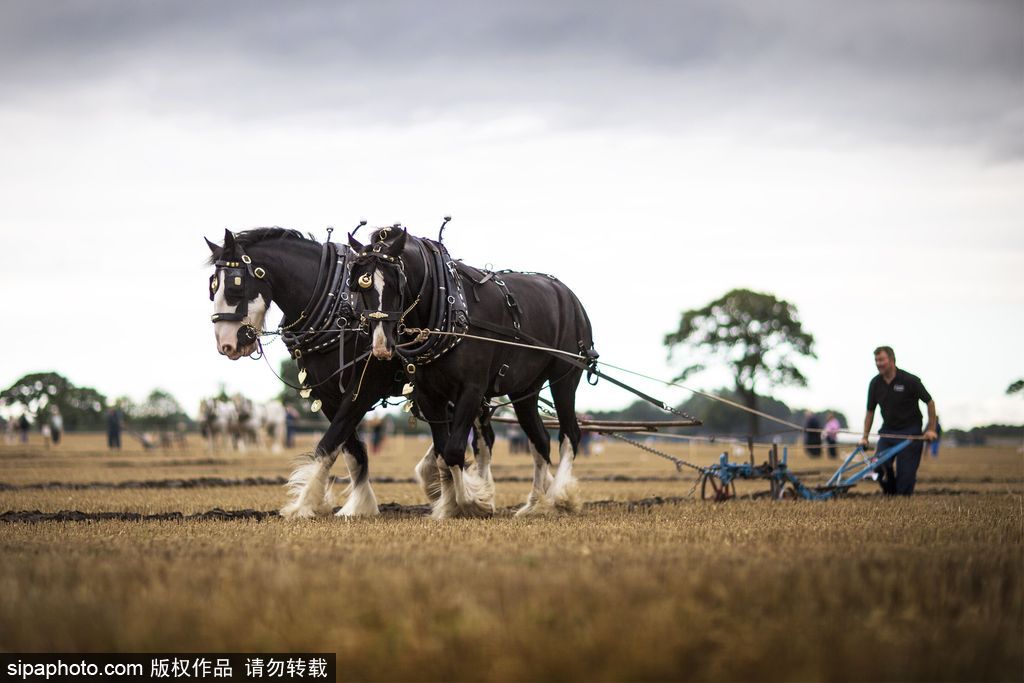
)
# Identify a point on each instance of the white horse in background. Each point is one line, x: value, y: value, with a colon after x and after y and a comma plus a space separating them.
x: 247, y: 425
x: 216, y: 419
x: 275, y: 419
x: 260, y: 425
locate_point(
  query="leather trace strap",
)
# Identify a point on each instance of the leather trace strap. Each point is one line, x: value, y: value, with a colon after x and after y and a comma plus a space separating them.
x: 586, y: 361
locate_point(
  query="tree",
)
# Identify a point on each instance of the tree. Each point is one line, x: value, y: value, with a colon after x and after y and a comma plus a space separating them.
x: 757, y: 335
x: 1016, y: 388
x: 81, y: 407
x: 159, y: 411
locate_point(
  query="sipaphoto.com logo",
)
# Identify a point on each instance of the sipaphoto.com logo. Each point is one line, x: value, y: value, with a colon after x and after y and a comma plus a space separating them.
x: 61, y: 669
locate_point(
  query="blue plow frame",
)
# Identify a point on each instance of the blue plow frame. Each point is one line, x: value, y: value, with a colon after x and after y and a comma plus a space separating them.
x: 848, y: 474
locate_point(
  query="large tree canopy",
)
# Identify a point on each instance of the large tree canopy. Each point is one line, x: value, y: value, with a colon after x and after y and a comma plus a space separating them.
x: 82, y: 407
x: 160, y: 410
x: 758, y: 336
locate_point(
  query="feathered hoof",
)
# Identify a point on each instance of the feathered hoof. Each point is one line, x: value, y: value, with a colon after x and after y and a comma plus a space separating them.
x: 565, y: 496
x: 477, y: 508
x: 445, y: 506
x: 429, y: 479
x: 362, y: 502
x: 347, y: 511
x: 537, y: 505
x: 300, y: 510
x: 479, y: 495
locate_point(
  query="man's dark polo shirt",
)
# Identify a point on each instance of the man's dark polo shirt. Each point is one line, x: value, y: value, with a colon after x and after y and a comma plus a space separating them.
x: 898, y: 400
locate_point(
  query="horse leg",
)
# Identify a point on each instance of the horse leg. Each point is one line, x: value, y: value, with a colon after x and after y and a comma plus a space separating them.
x: 540, y: 446
x: 474, y: 496
x: 427, y: 473
x: 308, y: 482
x: 361, y: 500
x: 483, y: 442
x: 564, y: 491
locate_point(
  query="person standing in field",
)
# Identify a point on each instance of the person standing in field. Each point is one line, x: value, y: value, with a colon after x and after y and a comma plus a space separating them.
x: 115, y: 421
x: 812, y: 434
x: 831, y: 434
x: 897, y: 393
x: 56, y: 425
x: 23, y: 427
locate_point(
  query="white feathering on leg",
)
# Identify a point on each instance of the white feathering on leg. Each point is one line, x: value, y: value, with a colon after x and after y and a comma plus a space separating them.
x: 564, y: 491
x: 361, y: 500
x: 428, y: 477
x: 478, y: 493
x: 307, y: 487
x: 445, y: 506
x: 483, y: 456
x: 537, y: 503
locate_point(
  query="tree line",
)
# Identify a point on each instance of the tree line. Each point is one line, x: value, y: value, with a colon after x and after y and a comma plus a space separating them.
x: 85, y: 408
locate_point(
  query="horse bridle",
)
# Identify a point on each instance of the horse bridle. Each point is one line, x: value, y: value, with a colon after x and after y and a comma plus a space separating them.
x: 237, y: 278
x: 375, y: 259
x: 447, y: 303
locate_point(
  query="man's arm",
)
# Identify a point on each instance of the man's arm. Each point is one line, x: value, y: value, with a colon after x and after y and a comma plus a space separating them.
x: 869, y: 417
x: 929, y: 433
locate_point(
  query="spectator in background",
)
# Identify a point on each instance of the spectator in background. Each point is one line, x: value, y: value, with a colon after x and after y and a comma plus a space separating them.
x: 23, y: 426
x: 56, y: 425
x: 812, y: 435
x: 291, y: 418
x: 585, y: 437
x: 375, y: 422
x: 832, y: 428
x: 115, y: 422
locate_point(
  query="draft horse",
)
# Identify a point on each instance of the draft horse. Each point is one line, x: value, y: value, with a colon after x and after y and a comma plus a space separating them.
x: 309, y: 281
x: 419, y: 304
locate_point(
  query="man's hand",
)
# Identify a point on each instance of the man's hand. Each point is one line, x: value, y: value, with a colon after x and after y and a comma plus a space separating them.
x: 863, y: 443
x: 930, y: 435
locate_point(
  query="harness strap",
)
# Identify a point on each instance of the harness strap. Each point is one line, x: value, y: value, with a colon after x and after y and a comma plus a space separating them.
x: 590, y: 365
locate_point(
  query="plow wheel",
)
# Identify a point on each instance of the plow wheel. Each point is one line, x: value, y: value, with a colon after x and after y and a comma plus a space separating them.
x: 788, y: 492
x: 712, y: 488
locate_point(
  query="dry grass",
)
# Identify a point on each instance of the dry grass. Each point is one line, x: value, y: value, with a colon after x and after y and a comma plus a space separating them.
x: 928, y: 588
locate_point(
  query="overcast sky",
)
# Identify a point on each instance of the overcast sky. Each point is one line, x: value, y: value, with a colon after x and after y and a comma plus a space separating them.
x: 864, y: 161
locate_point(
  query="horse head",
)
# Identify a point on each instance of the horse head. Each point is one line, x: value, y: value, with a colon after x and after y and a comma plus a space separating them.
x: 241, y: 296
x: 378, y: 278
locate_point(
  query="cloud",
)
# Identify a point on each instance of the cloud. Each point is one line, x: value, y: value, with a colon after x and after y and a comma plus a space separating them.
x: 919, y: 72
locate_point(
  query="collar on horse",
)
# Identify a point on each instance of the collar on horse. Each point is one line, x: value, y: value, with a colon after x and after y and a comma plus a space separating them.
x: 443, y: 290
x: 328, y: 314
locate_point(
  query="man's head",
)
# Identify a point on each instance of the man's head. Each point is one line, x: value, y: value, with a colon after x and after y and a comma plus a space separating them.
x: 885, y: 359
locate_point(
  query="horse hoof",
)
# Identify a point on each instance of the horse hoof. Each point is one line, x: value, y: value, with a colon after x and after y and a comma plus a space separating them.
x: 537, y: 505
x: 477, y: 509
x: 368, y: 512
x: 296, y: 511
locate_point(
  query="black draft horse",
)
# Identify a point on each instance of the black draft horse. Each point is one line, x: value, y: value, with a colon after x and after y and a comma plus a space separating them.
x: 262, y: 265
x: 452, y: 388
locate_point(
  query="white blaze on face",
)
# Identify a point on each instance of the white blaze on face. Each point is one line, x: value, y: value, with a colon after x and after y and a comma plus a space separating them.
x: 380, y: 341
x: 226, y: 331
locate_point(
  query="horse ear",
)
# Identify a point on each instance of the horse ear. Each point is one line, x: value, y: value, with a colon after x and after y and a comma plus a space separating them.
x: 354, y: 243
x: 399, y: 244
x: 214, y: 249
x: 229, y: 241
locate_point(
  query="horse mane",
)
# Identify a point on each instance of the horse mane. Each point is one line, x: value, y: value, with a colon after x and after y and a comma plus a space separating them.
x: 247, y: 238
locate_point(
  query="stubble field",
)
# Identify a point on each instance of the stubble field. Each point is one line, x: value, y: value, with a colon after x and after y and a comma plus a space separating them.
x: 648, y: 583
